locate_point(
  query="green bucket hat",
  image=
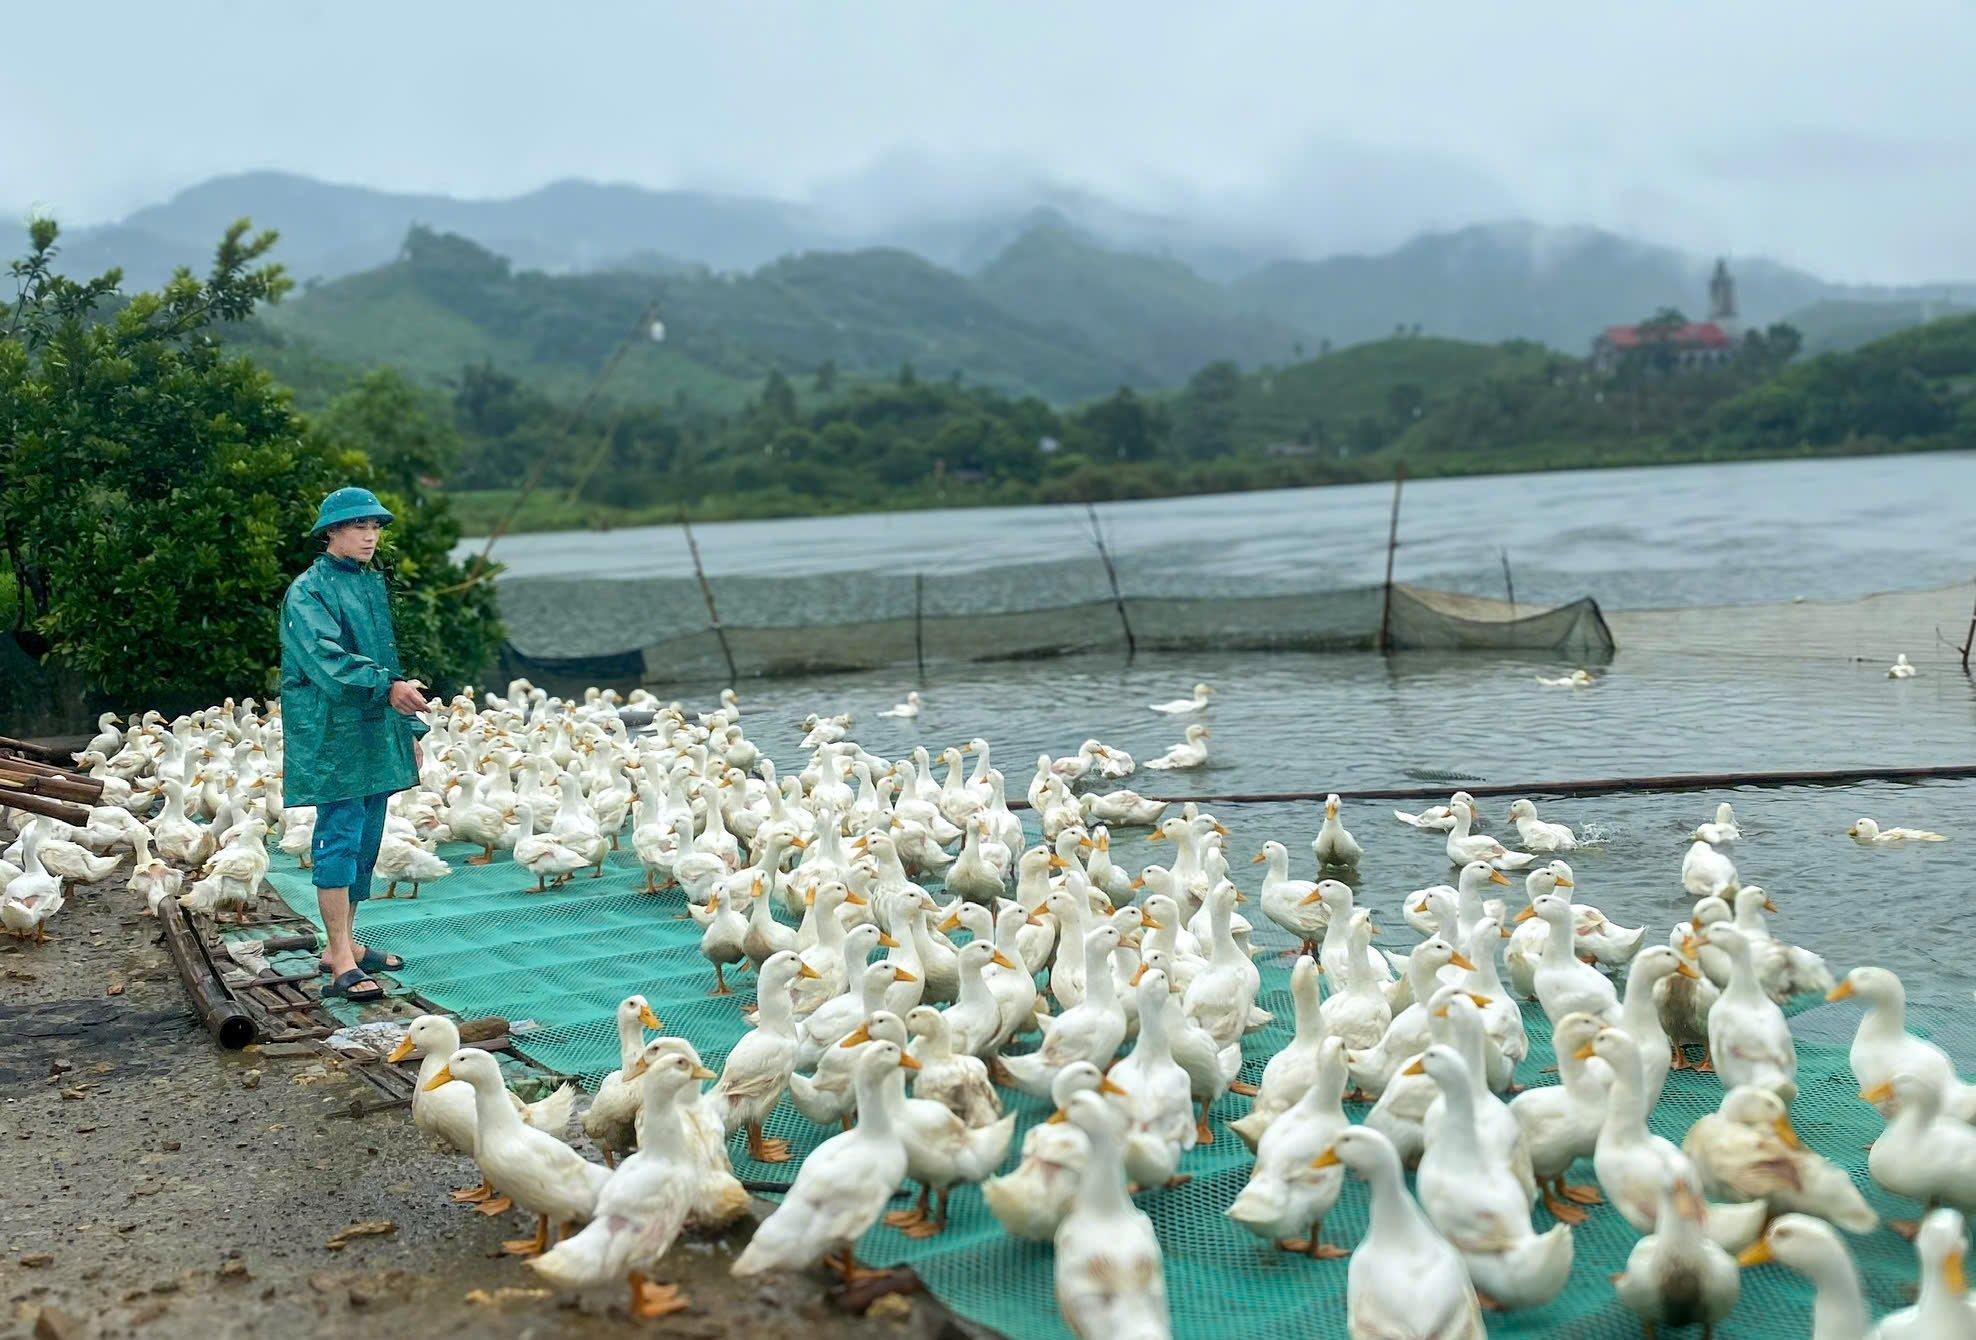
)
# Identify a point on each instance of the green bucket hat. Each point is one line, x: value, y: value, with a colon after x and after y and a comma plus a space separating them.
x: 349, y: 504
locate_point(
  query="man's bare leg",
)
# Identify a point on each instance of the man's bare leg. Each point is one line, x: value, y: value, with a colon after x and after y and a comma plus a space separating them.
x: 339, y: 924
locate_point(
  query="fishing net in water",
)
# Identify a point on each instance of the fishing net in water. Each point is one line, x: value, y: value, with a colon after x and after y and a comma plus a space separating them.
x: 656, y: 628
x: 556, y: 964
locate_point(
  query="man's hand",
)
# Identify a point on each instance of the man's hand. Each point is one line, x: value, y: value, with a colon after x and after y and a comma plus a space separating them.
x: 406, y: 697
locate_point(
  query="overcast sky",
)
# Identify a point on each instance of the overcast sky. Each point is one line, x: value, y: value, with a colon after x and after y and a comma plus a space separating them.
x: 1839, y: 136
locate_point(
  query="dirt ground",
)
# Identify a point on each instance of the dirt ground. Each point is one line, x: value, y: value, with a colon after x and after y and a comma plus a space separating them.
x: 155, y: 1185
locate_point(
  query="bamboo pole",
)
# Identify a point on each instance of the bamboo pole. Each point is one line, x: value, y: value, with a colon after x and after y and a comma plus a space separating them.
x: 19, y: 764
x: 707, y: 593
x: 1590, y: 786
x: 40, y: 784
x: 40, y: 751
x: 74, y: 815
x: 1968, y: 641
x: 1392, y: 544
x: 1111, y: 575
x: 229, y: 1023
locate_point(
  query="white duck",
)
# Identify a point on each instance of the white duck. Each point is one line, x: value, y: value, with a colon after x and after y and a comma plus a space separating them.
x: 1633, y: 1165
x: 532, y: 1168
x: 1723, y: 830
x: 612, y: 1117
x: 1174, y: 708
x: 543, y: 855
x: 1440, y: 817
x: 1123, y: 809
x: 1090, y: 1030
x: 952, y: 1078
x: 1676, y: 1276
x: 1945, y: 1310
x: 1158, y: 1098
x: 1747, y: 1034
x: 1286, y: 1197
x: 1359, y: 1014
x: 151, y: 877
x: 399, y: 861
x: 1223, y: 994
x: 723, y: 935
x: 758, y: 1069
x: 1110, y: 1276
x: 907, y: 710
x: 941, y: 1149
x: 842, y: 1187
x: 642, y: 1208
x: 1464, y: 846
x: 1902, y: 668
x: 1868, y: 833
x: 1030, y: 1202
x: 1923, y: 1154
x: 1479, y: 1204
x: 1536, y: 835
x: 1706, y: 872
x: 1640, y: 1014
x: 1748, y: 1151
x: 1191, y: 752
x: 1408, y: 1035
x: 1564, y: 983
x: 1561, y: 1121
x: 444, y: 1113
x: 1405, y: 1278
x: 1334, y: 846
x: 1883, y: 1047
x: 1813, y: 1249
x: 1291, y: 1070
x: 32, y: 896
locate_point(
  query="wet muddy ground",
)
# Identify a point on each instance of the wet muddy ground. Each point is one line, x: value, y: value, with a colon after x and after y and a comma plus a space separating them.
x: 155, y: 1185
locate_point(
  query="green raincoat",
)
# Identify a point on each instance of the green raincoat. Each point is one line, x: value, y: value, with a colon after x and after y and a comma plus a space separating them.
x: 341, y: 738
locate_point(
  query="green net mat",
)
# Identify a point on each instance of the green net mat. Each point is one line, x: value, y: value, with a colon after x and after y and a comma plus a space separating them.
x: 556, y: 964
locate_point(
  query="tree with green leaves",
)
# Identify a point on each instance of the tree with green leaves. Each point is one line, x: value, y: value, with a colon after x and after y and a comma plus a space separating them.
x: 156, y: 491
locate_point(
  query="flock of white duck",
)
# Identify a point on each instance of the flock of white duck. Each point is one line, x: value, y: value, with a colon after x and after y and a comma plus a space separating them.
x: 802, y: 878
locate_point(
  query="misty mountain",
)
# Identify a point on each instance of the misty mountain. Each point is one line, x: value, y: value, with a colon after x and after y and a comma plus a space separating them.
x: 1056, y: 292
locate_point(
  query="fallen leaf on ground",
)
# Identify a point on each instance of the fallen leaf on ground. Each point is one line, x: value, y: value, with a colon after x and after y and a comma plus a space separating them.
x: 370, y: 1228
x: 506, y: 1294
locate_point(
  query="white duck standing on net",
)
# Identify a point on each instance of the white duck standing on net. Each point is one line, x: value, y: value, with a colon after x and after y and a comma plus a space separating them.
x: 1676, y: 1276
x: 1030, y: 1202
x: 1286, y: 1198
x: 1110, y: 1273
x: 1405, y: 1279
x: 1747, y: 1034
x: 1944, y: 1307
x: 1814, y: 1249
x: 1883, y: 1047
x: 642, y: 1208
x: 842, y: 1188
x: 1747, y: 1150
x: 1561, y: 1121
x: 611, y: 1119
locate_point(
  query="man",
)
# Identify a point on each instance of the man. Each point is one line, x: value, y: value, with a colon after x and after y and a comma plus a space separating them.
x: 349, y: 736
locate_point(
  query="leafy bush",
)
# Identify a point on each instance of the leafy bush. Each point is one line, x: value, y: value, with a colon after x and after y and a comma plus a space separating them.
x: 156, y: 492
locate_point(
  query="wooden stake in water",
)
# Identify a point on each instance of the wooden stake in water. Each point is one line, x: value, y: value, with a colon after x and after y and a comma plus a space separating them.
x: 1111, y: 575
x: 707, y: 592
x: 919, y: 639
x: 1968, y: 641
x: 1392, y: 543
x: 1508, y: 585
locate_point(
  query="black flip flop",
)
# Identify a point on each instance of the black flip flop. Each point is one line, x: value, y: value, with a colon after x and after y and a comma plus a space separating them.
x: 346, y: 986
x: 371, y: 960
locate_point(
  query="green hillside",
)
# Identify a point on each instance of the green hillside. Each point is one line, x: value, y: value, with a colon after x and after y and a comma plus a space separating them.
x: 448, y: 302
x: 1322, y: 399
x: 1158, y: 318
x: 1838, y: 326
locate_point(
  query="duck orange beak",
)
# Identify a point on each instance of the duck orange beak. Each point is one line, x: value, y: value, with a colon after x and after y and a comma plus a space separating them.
x: 401, y: 1051
x: 1498, y: 877
x: 1842, y: 991
x: 1001, y: 960
x: 1328, y: 1159
x: 1526, y: 913
x: 1756, y: 1254
x: 858, y: 1035
x: 445, y: 1076
x: 1879, y: 1093
x: 647, y: 1018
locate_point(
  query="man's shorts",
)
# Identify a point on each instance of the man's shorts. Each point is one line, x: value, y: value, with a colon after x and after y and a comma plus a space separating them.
x: 348, y: 834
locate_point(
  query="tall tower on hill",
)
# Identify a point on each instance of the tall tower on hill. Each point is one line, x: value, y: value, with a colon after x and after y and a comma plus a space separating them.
x: 1722, y: 297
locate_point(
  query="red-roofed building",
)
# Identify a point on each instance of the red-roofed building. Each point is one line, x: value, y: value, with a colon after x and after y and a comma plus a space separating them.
x: 1676, y: 345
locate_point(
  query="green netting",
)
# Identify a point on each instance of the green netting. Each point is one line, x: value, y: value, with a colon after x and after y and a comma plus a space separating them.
x: 556, y: 965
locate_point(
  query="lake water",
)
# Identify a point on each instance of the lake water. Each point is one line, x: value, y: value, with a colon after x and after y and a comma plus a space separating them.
x: 1683, y: 536
x: 1637, y: 538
